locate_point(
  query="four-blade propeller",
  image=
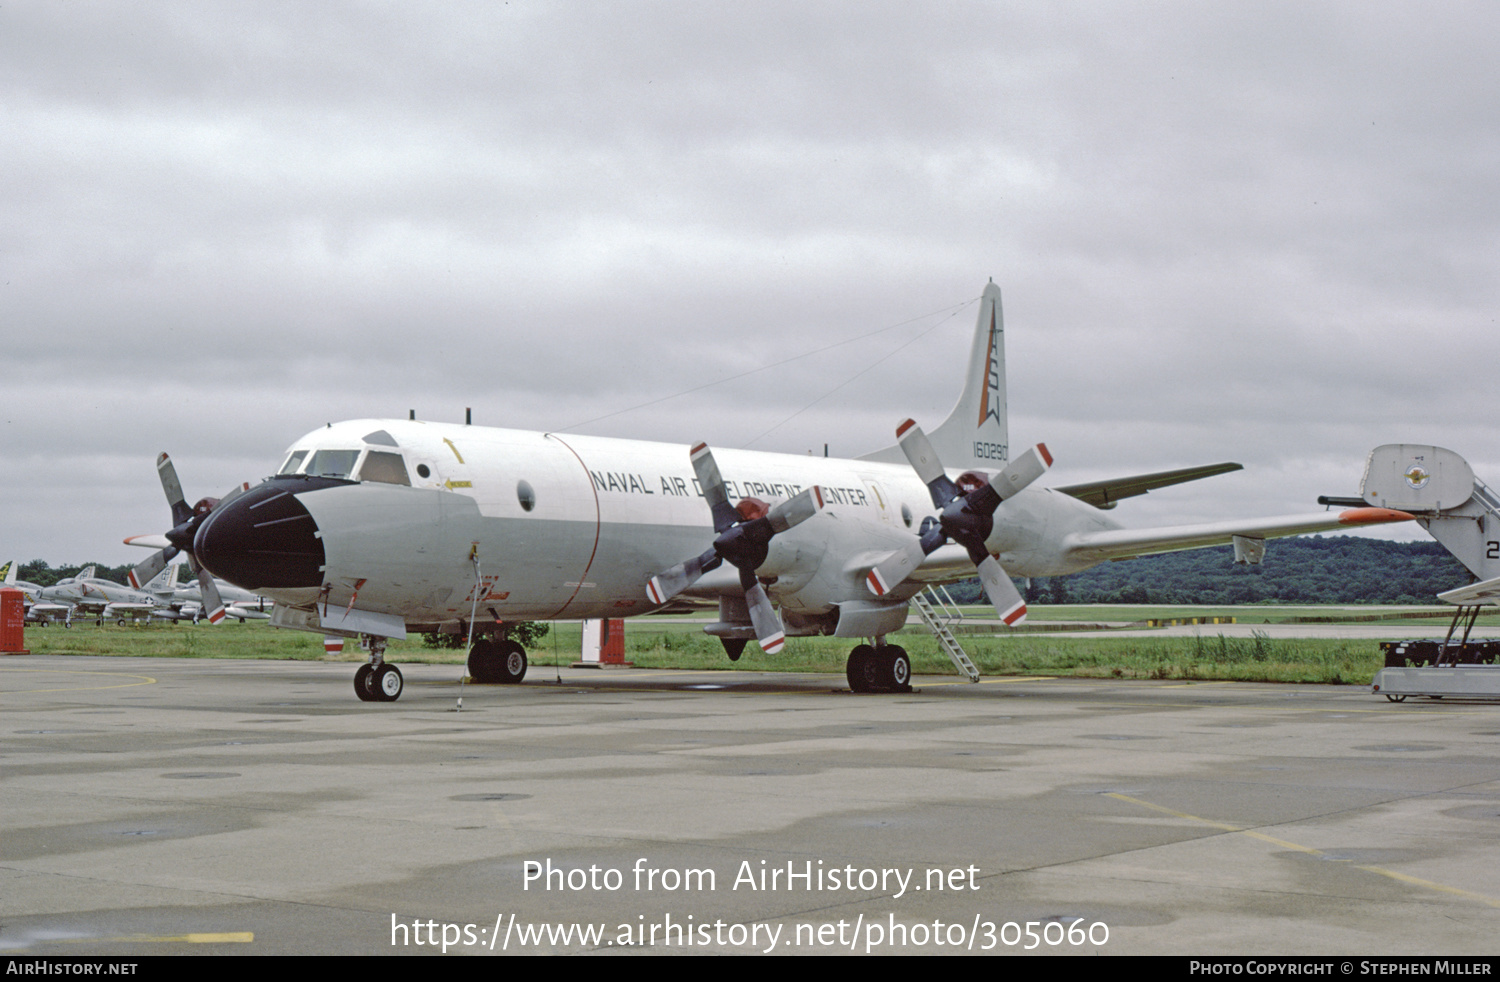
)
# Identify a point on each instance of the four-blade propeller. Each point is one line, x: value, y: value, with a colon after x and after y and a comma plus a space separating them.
x: 744, y: 540
x: 965, y: 517
x: 186, y: 520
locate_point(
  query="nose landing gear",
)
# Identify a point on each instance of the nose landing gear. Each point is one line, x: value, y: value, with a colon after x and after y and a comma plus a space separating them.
x: 377, y: 681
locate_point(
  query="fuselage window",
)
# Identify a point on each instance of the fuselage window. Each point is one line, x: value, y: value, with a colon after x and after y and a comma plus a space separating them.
x: 293, y: 462
x: 332, y: 463
x: 387, y: 468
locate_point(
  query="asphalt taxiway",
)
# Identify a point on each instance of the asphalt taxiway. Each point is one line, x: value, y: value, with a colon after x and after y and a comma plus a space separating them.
x: 156, y: 806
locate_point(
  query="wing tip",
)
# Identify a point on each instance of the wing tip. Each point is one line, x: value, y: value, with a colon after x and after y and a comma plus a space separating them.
x: 1373, y: 516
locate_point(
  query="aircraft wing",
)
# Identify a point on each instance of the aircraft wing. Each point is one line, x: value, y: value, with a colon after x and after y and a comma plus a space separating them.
x: 1096, y: 547
x: 1104, y: 494
x: 1483, y: 592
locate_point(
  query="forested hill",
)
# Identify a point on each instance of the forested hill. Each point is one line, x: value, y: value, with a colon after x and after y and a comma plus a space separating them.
x: 1305, y: 570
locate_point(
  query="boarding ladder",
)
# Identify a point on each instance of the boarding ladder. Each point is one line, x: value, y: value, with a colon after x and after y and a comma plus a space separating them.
x: 938, y: 611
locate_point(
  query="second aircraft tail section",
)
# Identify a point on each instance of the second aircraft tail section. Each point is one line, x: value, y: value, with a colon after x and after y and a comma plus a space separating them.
x: 1440, y: 489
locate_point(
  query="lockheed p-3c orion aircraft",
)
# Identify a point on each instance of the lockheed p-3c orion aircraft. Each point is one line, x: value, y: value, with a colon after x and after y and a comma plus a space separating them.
x: 378, y: 528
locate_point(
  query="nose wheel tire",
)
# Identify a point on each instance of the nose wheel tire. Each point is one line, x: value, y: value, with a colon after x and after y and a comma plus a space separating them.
x: 378, y: 683
x: 362, y: 686
x: 386, y: 682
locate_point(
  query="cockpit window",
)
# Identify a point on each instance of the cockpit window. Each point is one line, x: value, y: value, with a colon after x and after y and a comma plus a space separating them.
x: 382, y: 438
x: 293, y: 462
x: 387, y: 468
x: 332, y: 463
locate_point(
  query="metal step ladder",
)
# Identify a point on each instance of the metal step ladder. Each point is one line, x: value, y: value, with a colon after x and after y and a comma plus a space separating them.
x: 937, y: 611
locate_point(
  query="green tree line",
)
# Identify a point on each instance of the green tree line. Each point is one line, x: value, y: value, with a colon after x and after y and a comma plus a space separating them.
x: 1306, y: 570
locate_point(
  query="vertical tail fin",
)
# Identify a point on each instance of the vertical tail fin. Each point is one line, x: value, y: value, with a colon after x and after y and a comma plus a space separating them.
x: 976, y: 433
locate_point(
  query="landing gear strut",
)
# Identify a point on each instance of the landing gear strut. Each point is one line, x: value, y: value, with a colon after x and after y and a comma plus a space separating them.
x: 502, y: 662
x: 878, y: 668
x: 377, y: 681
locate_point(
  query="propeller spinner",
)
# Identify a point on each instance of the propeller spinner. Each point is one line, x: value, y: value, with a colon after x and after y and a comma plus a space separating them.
x: 186, y: 520
x: 744, y: 535
x: 965, y: 517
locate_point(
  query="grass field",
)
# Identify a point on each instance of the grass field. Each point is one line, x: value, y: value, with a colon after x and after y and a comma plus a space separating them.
x: 681, y: 644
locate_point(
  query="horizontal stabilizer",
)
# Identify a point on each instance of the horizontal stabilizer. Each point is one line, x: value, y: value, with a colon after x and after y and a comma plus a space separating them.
x: 1481, y: 593
x: 1104, y: 494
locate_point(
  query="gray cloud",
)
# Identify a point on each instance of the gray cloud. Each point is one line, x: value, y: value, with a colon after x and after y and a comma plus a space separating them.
x: 1260, y: 232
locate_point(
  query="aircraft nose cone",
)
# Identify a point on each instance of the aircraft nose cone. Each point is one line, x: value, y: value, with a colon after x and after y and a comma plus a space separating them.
x: 264, y: 539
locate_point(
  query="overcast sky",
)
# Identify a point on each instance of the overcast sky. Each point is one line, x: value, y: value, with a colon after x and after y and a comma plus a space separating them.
x: 1256, y: 232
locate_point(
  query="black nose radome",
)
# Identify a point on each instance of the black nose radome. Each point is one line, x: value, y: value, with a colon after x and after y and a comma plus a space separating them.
x: 265, y: 539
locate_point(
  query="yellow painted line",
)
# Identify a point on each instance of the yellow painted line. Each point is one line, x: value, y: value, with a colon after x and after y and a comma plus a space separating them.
x: 144, y: 680
x: 1415, y: 881
x: 454, y: 449
x: 222, y: 937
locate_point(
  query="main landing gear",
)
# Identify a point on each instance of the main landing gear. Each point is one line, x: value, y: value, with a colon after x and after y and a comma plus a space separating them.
x: 377, y: 681
x: 879, y: 668
x: 497, y: 662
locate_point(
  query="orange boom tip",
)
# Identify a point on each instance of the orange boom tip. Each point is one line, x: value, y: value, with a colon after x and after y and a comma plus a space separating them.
x: 1373, y: 516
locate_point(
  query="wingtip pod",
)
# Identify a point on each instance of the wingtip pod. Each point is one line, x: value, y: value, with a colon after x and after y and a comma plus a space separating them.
x: 1373, y: 516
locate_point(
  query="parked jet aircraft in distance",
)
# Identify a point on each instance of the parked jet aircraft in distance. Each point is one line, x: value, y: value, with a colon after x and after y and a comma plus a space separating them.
x: 38, y: 611
x: 376, y: 528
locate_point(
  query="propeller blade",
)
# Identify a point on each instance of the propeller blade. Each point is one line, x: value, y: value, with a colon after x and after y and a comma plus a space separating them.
x: 767, y: 625
x: 924, y: 460
x: 147, y: 571
x: 664, y: 586
x: 1008, y: 602
x: 181, y: 510
x: 796, y: 510
x: 712, y: 485
x: 1022, y: 471
x: 213, y: 607
x: 893, y: 570
x: 239, y: 489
